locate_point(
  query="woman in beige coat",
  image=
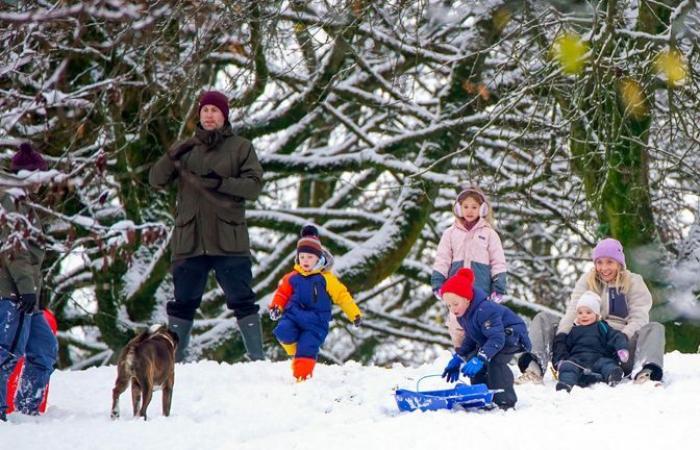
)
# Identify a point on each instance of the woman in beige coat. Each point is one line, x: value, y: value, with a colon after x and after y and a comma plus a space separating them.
x: 626, y: 305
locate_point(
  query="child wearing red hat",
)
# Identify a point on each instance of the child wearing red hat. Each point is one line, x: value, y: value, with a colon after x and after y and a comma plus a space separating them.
x: 303, y: 301
x: 493, y: 334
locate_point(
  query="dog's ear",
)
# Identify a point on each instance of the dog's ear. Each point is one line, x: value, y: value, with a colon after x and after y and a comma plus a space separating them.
x: 174, y: 335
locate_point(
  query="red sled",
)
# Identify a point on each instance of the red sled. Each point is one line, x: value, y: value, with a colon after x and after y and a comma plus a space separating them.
x: 14, y: 378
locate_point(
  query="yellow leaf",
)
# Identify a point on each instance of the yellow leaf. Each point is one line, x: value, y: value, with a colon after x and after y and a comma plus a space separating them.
x: 671, y: 65
x: 633, y: 98
x: 571, y: 52
x: 500, y: 18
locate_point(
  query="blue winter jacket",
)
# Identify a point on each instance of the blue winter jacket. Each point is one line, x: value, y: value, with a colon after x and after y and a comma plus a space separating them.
x: 490, y: 327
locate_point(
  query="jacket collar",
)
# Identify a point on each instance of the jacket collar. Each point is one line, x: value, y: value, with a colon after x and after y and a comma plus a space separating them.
x: 212, y: 138
x: 305, y: 273
x: 482, y: 223
x: 479, y: 298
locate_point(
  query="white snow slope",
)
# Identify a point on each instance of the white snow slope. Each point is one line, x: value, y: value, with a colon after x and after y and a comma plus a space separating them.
x: 259, y: 406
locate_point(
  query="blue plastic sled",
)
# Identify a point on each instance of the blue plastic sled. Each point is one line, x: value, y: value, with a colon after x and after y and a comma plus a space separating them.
x: 462, y: 396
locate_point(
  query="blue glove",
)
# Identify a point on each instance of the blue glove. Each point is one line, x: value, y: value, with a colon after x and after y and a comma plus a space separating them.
x: 473, y: 366
x: 451, y: 372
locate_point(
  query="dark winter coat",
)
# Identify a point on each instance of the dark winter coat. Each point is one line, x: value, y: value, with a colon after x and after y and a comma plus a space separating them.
x: 211, y: 221
x: 490, y: 327
x: 20, y: 272
x: 585, y: 344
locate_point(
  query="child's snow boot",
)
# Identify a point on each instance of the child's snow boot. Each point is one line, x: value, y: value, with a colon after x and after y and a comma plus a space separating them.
x: 561, y: 386
x: 303, y: 368
x: 3, y: 417
x: 615, y: 376
x: 290, y: 349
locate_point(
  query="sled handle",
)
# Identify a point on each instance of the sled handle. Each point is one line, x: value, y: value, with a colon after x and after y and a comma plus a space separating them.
x: 424, y: 377
x: 431, y: 376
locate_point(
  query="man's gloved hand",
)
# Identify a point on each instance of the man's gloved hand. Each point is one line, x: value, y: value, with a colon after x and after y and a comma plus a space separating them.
x: 211, y: 180
x: 451, y: 372
x: 623, y: 355
x: 358, y: 321
x: 473, y: 366
x: 496, y: 297
x: 26, y: 303
x: 178, y: 149
x: 275, y: 313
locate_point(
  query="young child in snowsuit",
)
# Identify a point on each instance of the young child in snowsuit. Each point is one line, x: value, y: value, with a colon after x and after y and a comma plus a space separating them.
x: 493, y: 335
x: 592, y: 351
x: 470, y: 242
x: 303, y: 303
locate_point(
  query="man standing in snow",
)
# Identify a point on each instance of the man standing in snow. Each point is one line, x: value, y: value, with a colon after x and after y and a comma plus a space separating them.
x: 216, y: 172
x: 23, y: 328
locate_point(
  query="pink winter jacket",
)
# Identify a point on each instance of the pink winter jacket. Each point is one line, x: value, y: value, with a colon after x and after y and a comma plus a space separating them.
x: 479, y: 249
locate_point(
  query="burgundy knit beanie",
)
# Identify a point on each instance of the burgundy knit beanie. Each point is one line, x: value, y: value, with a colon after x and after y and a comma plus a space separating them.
x: 310, y: 241
x: 215, y: 98
x: 27, y: 158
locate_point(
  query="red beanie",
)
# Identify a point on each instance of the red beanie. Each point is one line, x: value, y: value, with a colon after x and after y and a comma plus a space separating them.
x: 461, y: 284
x: 215, y: 98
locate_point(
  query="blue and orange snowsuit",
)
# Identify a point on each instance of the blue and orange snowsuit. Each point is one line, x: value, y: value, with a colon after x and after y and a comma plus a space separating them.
x: 306, y: 299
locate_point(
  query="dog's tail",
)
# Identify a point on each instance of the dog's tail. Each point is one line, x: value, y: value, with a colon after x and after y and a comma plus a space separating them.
x: 129, y: 360
x: 131, y: 350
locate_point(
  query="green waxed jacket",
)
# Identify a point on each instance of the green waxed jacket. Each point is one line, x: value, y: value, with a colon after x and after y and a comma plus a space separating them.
x: 211, y: 221
x: 20, y: 271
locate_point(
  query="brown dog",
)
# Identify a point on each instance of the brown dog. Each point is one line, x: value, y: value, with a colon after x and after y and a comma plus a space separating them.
x: 148, y: 362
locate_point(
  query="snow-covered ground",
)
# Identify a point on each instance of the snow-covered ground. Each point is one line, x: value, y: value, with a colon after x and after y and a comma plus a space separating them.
x: 259, y: 406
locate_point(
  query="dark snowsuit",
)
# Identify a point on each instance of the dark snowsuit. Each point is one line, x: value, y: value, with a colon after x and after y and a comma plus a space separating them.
x: 592, y: 347
x: 495, y: 333
x: 22, y: 333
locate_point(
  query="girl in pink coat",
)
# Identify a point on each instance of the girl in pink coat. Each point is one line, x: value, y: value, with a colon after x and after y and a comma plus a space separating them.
x: 470, y: 242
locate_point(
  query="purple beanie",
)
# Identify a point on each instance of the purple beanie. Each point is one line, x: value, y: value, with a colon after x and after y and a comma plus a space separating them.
x: 609, y: 248
x: 27, y: 158
x: 215, y: 98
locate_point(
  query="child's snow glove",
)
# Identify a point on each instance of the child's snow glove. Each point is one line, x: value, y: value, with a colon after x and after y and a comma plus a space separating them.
x: 496, y: 297
x: 275, y: 313
x: 623, y: 355
x: 451, y: 372
x: 358, y: 321
x: 473, y: 366
x: 26, y: 303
